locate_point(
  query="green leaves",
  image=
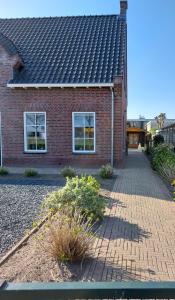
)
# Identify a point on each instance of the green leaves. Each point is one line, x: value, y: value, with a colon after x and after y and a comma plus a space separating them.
x: 68, y: 172
x: 163, y: 161
x: 3, y: 171
x: 30, y: 173
x: 106, y: 171
x: 78, y: 193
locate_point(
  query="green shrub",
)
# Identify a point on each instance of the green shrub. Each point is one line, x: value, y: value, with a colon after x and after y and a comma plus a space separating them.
x: 173, y: 184
x: 163, y: 161
x: 3, y: 171
x: 30, y: 173
x: 78, y: 193
x: 70, y: 237
x: 68, y: 172
x: 158, y: 139
x: 106, y: 172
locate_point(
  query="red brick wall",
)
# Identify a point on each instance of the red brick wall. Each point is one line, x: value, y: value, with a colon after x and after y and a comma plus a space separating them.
x: 120, y: 121
x: 58, y: 105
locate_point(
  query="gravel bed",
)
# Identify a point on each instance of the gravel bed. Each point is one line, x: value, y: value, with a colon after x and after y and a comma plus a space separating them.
x: 20, y: 200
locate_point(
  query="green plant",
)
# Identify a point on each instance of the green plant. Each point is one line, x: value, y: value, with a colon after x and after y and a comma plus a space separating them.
x: 158, y: 139
x: 3, y: 171
x: 163, y: 161
x: 106, y: 171
x: 70, y: 236
x: 153, y: 131
x: 68, y: 172
x: 30, y: 173
x: 173, y: 184
x: 167, y: 171
x: 78, y: 193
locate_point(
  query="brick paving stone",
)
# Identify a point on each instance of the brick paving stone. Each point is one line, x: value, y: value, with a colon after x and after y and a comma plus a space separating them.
x: 137, y: 238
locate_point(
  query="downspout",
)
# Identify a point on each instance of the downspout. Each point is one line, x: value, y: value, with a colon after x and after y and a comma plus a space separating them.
x: 112, y: 127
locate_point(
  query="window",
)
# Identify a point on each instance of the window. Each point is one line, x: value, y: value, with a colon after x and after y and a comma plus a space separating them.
x: 83, y: 132
x: 35, y: 132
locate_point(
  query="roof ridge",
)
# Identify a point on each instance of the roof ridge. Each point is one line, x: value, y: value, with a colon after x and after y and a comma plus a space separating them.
x: 56, y: 17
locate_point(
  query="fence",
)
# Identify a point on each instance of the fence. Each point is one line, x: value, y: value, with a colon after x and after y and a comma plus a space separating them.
x: 87, y: 290
x: 169, y: 134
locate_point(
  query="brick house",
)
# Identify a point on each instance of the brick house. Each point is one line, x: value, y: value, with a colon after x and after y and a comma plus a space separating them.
x: 63, y: 90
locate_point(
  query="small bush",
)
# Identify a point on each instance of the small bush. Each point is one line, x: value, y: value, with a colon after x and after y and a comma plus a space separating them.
x: 78, y: 193
x: 70, y: 237
x: 158, y: 139
x: 3, y: 171
x: 68, y: 172
x: 106, y: 172
x: 30, y: 173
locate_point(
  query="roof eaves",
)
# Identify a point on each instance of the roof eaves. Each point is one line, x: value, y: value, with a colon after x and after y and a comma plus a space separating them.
x: 58, y: 85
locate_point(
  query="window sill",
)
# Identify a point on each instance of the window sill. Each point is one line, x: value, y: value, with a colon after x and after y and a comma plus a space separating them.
x: 35, y: 152
x: 83, y: 153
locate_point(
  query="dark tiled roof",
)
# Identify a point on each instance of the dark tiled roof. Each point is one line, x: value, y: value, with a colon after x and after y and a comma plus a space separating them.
x: 8, y: 45
x: 83, y: 49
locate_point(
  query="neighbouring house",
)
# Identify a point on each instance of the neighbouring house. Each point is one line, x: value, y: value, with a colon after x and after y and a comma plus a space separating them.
x: 63, y: 90
x: 152, y: 125
x: 168, y: 133
x: 136, y: 132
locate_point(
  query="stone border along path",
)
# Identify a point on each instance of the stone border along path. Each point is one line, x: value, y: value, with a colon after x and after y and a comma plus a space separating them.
x: 137, y: 238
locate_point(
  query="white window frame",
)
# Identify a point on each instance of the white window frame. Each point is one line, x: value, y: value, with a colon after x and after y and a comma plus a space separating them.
x: 25, y: 135
x: 73, y: 133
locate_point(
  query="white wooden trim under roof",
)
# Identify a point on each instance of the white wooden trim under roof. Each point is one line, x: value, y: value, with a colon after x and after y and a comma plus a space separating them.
x: 58, y: 85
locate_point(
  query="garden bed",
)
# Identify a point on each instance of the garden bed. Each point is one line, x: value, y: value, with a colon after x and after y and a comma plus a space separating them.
x: 165, y: 181
x: 33, y: 263
x: 162, y: 160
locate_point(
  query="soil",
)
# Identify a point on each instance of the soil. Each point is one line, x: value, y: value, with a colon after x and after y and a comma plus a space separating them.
x: 33, y: 263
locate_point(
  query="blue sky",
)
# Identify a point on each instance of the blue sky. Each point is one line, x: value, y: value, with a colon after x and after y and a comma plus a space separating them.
x: 151, y: 45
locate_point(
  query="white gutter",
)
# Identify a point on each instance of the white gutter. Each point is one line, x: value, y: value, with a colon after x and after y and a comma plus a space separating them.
x: 112, y: 127
x: 58, y: 85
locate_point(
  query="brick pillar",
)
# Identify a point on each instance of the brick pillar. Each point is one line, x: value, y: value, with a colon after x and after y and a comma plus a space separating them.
x: 120, y: 118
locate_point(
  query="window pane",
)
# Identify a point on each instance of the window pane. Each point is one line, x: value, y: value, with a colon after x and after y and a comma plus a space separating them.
x: 89, y: 132
x: 89, y: 120
x: 35, y: 135
x: 31, y: 143
x: 41, y: 144
x: 89, y: 144
x: 79, y: 132
x: 30, y: 119
x: 40, y: 132
x: 31, y: 131
x: 40, y: 119
x: 84, y: 131
x: 79, y: 144
x: 79, y: 120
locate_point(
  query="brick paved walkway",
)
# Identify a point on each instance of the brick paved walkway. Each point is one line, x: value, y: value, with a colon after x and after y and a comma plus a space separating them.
x: 137, y: 237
